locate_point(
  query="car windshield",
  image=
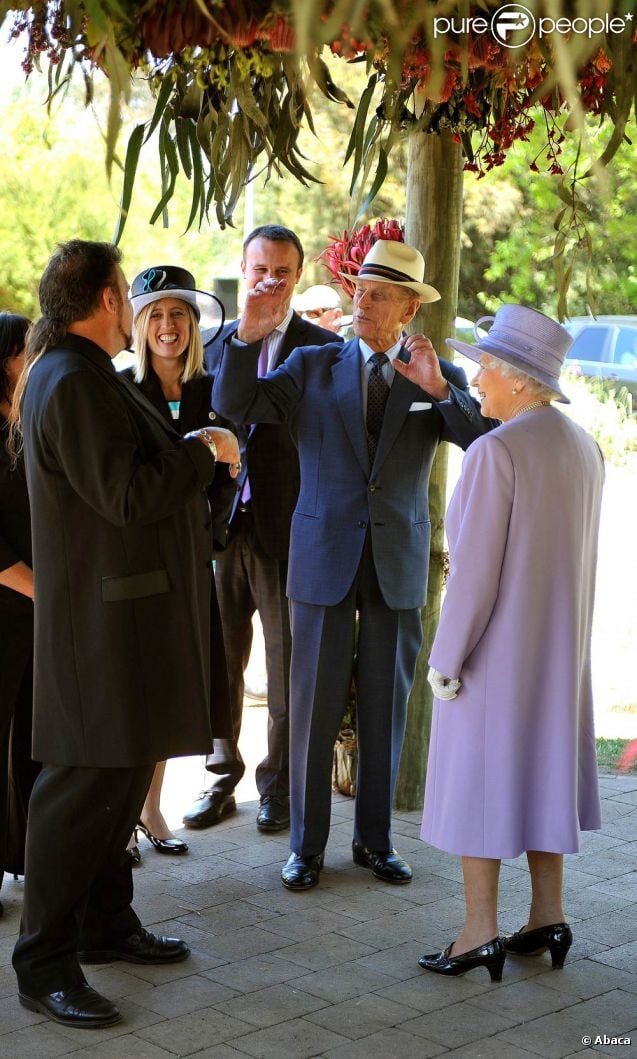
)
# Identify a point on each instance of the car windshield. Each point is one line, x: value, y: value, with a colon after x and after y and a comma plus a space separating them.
x: 626, y: 347
x: 590, y: 344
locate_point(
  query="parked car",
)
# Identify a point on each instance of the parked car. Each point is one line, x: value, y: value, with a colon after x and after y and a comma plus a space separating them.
x: 605, y: 346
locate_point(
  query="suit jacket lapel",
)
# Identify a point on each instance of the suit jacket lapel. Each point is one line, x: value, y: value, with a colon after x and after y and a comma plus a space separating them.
x: 346, y: 376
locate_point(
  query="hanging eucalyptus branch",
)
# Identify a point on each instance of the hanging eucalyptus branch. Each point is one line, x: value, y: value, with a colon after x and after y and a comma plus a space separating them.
x: 231, y: 81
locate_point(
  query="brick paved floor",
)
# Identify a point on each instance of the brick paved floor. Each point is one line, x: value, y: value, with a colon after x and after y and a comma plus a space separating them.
x: 333, y: 972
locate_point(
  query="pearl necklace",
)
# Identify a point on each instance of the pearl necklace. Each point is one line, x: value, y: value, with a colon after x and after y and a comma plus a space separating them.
x: 530, y: 407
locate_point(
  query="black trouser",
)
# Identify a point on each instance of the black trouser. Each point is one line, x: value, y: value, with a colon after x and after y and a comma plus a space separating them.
x: 78, y: 884
x: 247, y: 580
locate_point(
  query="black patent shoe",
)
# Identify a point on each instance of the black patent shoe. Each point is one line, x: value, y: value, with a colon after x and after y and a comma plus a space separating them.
x: 274, y: 813
x: 163, y: 845
x: 210, y: 809
x: 490, y: 955
x: 389, y: 867
x: 557, y: 938
x: 301, y: 873
x: 139, y: 948
x: 78, y: 1006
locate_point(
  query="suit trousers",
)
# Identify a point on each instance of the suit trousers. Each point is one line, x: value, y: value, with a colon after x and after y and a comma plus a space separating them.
x: 248, y: 580
x: 324, y: 657
x: 78, y: 883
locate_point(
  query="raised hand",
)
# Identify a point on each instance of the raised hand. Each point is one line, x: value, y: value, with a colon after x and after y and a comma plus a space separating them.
x: 264, y: 307
x: 423, y: 368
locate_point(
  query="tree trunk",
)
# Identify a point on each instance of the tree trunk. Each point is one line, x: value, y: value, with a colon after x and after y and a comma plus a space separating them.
x: 434, y: 224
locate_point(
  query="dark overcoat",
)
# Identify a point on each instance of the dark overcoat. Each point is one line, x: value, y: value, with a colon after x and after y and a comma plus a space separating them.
x: 194, y: 412
x: 122, y: 563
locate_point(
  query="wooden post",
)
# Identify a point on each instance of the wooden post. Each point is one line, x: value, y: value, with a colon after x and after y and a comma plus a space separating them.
x: 433, y: 223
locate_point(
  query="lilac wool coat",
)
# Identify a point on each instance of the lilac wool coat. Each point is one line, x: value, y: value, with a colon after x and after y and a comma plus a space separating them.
x: 512, y: 759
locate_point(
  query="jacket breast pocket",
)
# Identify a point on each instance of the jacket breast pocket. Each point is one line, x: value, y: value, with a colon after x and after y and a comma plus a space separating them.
x: 135, y: 586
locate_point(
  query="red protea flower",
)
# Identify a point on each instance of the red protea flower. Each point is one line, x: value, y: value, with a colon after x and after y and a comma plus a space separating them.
x: 346, y: 253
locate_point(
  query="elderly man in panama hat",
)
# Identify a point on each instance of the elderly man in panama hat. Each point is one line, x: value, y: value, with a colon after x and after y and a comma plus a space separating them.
x: 367, y: 418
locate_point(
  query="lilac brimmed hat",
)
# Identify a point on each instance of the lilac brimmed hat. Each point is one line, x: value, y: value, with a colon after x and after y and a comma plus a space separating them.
x: 524, y: 338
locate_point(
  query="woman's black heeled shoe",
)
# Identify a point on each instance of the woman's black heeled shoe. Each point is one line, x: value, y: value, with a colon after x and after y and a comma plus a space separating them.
x: 163, y: 845
x: 490, y: 955
x: 557, y: 938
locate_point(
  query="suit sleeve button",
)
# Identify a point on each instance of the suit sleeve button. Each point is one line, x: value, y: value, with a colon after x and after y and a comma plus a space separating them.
x: 363, y: 525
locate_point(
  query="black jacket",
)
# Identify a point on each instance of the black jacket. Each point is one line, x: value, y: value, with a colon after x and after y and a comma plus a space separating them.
x: 195, y: 412
x: 268, y: 453
x: 122, y: 564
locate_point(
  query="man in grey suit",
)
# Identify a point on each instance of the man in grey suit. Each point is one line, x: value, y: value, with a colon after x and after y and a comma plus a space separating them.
x: 251, y: 572
x: 367, y: 418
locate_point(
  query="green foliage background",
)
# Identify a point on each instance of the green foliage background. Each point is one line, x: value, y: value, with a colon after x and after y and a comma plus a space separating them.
x: 54, y: 187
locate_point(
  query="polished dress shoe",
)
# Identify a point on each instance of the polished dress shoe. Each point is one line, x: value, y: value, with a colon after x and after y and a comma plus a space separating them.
x: 79, y: 1005
x: 210, y: 809
x: 139, y: 948
x: 274, y: 813
x: 301, y: 873
x: 386, y: 866
x: 162, y: 845
x: 490, y: 955
x: 557, y: 938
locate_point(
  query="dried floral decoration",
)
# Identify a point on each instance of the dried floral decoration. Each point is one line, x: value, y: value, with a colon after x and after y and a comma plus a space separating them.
x: 347, y: 251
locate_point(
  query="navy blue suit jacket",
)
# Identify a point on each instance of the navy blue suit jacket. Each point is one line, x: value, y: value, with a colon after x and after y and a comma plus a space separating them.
x: 318, y: 391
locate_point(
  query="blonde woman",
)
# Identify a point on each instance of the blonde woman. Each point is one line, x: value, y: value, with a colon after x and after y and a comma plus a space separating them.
x: 170, y: 372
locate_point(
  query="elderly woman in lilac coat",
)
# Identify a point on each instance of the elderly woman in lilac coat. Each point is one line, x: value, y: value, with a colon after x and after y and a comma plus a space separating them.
x: 512, y: 765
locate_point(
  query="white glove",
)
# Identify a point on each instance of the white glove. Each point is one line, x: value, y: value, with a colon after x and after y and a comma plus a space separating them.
x: 443, y: 687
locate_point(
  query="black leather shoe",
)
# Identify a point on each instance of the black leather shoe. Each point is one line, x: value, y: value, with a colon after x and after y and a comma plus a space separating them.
x: 274, y: 813
x: 490, y: 955
x: 386, y: 866
x: 163, y: 845
x: 139, y: 948
x: 301, y: 873
x: 210, y: 809
x: 79, y: 1005
x: 557, y: 938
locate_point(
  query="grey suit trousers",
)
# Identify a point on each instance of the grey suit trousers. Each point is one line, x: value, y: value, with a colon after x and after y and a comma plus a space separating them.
x: 323, y: 660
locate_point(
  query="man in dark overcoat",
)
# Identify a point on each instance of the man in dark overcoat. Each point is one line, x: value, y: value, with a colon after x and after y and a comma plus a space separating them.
x: 251, y: 572
x: 121, y: 559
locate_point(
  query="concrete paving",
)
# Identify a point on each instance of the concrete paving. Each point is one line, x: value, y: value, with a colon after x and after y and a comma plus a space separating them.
x: 334, y: 972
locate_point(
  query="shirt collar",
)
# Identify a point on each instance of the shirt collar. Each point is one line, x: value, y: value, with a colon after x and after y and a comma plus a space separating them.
x: 285, y: 322
x: 391, y: 353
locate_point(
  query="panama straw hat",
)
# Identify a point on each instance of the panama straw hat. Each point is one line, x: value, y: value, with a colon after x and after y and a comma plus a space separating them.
x: 389, y: 261
x: 524, y: 338
x: 319, y: 297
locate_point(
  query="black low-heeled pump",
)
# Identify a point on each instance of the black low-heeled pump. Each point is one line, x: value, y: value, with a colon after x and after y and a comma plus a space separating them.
x: 490, y: 955
x: 163, y: 845
x: 557, y: 938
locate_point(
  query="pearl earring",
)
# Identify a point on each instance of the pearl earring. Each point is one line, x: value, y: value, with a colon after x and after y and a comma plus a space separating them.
x: 514, y: 390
